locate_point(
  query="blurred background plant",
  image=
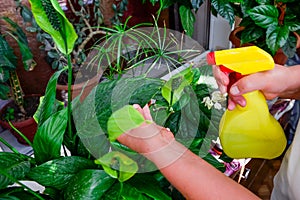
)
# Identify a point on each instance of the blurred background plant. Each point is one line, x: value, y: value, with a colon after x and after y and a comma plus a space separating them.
x: 10, y: 86
x: 271, y: 25
x: 87, y: 18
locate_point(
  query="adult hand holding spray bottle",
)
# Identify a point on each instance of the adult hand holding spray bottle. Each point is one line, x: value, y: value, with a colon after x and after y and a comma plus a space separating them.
x: 250, y: 131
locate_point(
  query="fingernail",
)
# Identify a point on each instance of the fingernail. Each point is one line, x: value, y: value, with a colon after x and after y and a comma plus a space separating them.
x: 231, y: 107
x: 234, y: 90
x: 135, y: 106
x: 242, y: 103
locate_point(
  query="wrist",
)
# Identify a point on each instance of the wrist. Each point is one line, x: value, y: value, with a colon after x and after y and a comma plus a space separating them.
x: 161, y: 138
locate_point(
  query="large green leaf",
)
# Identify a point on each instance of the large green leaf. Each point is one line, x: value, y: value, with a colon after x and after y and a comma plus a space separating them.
x: 103, y: 104
x: 51, y: 18
x: 293, y: 26
x: 149, y: 186
x: 187, y: 19
x: 14, y: 166
x: 124, y: 191
x: 123, y: 120
x: 264, y: 15
x: 113, y: 95
x: 289, y: 48
x: 49, y: 137
x: 88, y: 127
x: 118, y: 165
x: 88, y: 185
x: 21, y: 38
x: 173, y: 88
x: 8, y: 59
x: 58, y: 172
x: 277, y: 37
x: 18, y: 193
x: 251, y: 33
x: 224, y: 9
x: 184, y: 122
x: 49, y: 105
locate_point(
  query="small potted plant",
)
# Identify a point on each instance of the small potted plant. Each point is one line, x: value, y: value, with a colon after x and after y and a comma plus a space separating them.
x: 17, y: 114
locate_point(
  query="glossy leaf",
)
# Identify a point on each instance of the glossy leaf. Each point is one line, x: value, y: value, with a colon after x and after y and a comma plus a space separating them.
x: 63, y: 33
x: 13, y: 165
x: 88, y: 127
x: 290, y: 47
x: 123, y: 120
x: 8, y: 59
x: 277, y: 37
x: 118, y: 165
x: 184, y: 122
x: 295, y: 26
x: 173, y: 88
x: 18, y: 193
x: 58, y: 172
x: 224, y: 9
x: 113, y: 95
x: 188, y: 19
x: 88, y: 185
x: 264, y: 15
x: 49, y: 105
x: 124, y: 191
x: 103, y: 106
x: 149, y: 186
x: 19, y: 36
x: 251, y: 33
x: 49, y: 137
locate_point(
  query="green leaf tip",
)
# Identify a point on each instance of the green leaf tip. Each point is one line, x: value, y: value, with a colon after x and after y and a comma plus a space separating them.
x: 118, y: 165
x: 123, y: 120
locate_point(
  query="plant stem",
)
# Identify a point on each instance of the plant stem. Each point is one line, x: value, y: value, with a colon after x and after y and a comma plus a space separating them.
x: 121, y: 190
x: 21, y: 134
x: 9, y: 146
x: 69, y: 105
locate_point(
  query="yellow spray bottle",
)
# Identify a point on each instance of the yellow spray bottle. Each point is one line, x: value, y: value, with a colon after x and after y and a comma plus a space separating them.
x: 250, y: 131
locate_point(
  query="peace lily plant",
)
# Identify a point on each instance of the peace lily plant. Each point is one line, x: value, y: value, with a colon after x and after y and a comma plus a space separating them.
x: 76, y: 155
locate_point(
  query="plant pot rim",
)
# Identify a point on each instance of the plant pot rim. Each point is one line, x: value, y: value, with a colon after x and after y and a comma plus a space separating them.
x: 28, y: 126
x: 78, y: 85
x: 23, y: 122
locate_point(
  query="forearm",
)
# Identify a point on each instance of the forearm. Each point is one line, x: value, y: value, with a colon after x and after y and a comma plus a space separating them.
x: 293, y: 83
x: 194, y: 177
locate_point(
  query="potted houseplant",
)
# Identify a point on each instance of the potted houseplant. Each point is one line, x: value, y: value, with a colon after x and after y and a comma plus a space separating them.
x: 73, y: 158
x: 271, y: 25
x: 104, y: 169
x: 87, y: 18
x: 17, y: 114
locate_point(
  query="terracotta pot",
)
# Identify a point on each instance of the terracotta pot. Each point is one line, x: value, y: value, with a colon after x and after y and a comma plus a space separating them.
x: 279, y: 57
x: 28, y: 127
x: 76, y: 89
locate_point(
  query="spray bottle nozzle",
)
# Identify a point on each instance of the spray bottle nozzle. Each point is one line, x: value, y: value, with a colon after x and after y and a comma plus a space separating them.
x: 244, y: 60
